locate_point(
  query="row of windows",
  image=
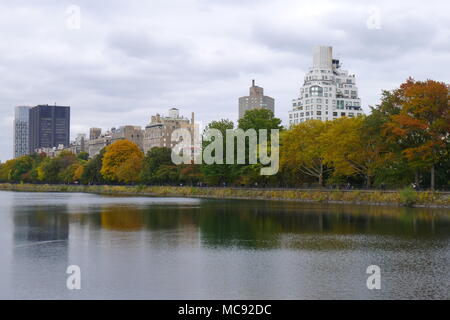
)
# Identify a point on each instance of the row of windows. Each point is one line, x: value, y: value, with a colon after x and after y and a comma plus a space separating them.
x: 319, y: 113
x: 319, y: 101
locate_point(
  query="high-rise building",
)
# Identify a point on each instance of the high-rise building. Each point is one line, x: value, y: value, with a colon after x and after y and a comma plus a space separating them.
x: 49, y: 126
x: 158, y: 133
x: 328, y: 91
x: 256, y: 100
x: 21, y: 126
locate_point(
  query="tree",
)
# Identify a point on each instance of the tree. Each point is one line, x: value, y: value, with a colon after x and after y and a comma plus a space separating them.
x: 5, y: 170
x: 78, y: 172
x: 68, y: 174
x: 116, y: 166
x: 301, y: 149
x: 91, y: 170
x: 129, y: 171
x: 189, y: 173
x: 165, y: 174
x: 83, y: 156
x: 48, y: 171
x: 259, y: 119
x: 421, y: 125
x: 217, y: 173
x: 58, y: 169
x: 350, y: 150
x: 22, y: 165
x: 154, y: 159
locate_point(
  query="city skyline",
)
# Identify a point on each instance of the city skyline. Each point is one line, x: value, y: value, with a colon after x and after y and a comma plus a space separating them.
x: 162, y: 59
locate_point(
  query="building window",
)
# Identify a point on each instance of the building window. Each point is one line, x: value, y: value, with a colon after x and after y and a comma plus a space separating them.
x: 316, y: 91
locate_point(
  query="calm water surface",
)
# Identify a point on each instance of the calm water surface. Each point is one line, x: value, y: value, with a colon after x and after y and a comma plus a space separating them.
x: 174, y: 248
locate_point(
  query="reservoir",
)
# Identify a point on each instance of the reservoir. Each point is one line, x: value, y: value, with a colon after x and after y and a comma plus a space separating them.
x: 186, y: 248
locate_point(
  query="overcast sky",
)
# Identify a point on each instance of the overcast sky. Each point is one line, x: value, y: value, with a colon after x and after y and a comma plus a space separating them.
x: 131, y: 59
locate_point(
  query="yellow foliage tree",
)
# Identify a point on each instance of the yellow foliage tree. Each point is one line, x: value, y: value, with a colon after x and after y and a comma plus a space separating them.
x: 350, y: 151
x: 302, y: 150
x: 130, y: 170
x: 122, y: 162
x: 78, y: 172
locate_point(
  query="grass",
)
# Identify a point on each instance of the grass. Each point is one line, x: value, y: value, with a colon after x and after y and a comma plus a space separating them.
x: 405, y: 197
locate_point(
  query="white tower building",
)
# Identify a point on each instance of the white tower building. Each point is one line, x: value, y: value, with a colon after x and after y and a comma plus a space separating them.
x: 328, y: 91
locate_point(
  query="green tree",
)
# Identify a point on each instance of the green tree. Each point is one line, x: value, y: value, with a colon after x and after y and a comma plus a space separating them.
x: 22, y: 166
x: 259, y: 119
x: 153, y: 161
x: 92, y: 170
x: 83, y: 156
x: 217, y: 173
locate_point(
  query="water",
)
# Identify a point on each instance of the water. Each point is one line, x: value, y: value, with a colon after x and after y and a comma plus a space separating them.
x: 175, y: 248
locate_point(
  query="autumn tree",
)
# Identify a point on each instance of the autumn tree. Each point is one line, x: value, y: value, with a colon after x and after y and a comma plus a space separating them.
x: 6, y: 169
x: 301, y: 149
x: 420, y: 123
x: 128, y: 171
x: 351, y: 149
x: 122, y: 162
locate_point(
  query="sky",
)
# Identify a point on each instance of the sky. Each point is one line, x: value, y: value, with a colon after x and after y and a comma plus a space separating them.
x: 119, y: 62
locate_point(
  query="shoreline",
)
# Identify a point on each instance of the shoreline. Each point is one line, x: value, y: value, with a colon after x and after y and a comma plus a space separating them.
x: 424, y: 199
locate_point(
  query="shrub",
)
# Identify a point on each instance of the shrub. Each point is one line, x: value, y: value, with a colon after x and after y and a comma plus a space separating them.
x: 408, y: 196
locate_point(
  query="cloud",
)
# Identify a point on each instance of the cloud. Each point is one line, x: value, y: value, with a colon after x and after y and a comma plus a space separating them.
x: 131, y: 59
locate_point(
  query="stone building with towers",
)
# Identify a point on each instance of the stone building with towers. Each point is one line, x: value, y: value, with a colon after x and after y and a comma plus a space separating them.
x: 255, y: 100
x: 98, y: 140
x: 328, y: 92
x: 159, y: 131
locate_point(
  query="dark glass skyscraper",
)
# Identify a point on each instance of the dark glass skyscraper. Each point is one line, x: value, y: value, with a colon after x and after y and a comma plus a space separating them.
x: 49, y: 126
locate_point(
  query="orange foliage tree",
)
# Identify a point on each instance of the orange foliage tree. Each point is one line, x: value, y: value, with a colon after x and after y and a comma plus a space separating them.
x: 122, y: 162
x: 421, y: 124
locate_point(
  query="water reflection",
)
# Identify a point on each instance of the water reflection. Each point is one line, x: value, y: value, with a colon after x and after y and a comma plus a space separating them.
x: 41, y: 249
x: 261, y: 224
x: 190, y: 248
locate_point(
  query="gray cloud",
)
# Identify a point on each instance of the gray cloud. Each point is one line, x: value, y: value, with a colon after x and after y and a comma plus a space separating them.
x: 131, y: 59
